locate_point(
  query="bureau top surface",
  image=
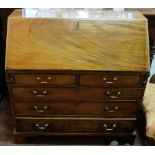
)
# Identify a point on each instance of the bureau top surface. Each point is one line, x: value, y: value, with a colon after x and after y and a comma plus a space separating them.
x: 105, y: 42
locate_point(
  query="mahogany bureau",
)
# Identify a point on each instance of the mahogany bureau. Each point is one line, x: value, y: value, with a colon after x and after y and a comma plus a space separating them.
x: 69, y: 75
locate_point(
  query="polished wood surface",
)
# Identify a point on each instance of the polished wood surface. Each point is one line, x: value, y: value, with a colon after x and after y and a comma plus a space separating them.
x: 82, y: 94
x: 76, y: 125
x: 107, y: 80
x: 55, y: 79
x: 32, y: 100
x: 80, y: 44
x: 76, y: 76
x: 117, y: 108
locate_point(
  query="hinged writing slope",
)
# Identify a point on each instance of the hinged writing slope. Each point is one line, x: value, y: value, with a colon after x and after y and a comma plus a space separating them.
x: 103, y: 42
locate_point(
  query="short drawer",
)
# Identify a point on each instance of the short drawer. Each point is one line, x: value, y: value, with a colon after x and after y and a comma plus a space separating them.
x: 76, y: 108
x: 55, y: 79
x: 75, y: 125
x: 86, y: 94
x: 111, y: 80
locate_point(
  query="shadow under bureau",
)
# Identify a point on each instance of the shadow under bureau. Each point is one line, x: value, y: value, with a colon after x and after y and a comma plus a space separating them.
x: 73, y: 76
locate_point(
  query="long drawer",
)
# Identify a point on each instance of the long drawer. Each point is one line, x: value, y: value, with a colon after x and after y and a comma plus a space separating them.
x: 82, y: 93
x: 76, y: 108
x: 75, y: 125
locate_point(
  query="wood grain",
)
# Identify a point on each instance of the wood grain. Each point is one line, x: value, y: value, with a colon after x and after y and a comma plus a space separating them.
x: 80, y: 94
x: 75, y: 125
x: 79, y: 52
x: 76, y: 108
x: 55, y: 79
x: 101, y: 44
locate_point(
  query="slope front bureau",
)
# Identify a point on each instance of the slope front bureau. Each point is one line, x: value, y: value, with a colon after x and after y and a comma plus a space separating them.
x: 76, y: 76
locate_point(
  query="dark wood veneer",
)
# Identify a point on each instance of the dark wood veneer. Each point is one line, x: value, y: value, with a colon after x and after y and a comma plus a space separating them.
x: 117, y: 108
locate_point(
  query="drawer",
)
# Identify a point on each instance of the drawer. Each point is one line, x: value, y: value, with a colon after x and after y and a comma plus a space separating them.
x: 110, y: 80
x: 76, y: 108
x: 75, y: 125
x: 56, y: 79
x: 83, y: 93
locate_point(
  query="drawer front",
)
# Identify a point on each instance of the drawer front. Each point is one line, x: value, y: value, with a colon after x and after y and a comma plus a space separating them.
x: 75, y: 125
x: 56, y: 79
x: 76, y: 108
x: 86, y: 94
x: 110, y: 80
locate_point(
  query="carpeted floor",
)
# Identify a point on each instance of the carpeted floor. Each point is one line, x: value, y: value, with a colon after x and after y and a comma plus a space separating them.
x: 6, y: 129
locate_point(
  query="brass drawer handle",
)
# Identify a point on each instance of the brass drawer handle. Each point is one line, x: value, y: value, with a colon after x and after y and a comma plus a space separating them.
x: 109, y: 82
x: 113, y: 96
x: 109, y: 129
x: 108, y: 109
x: 39, y: 94
x: 40, y: 110
x: 43, y: 127
x: 43, y: 82
x: 11, y: 80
